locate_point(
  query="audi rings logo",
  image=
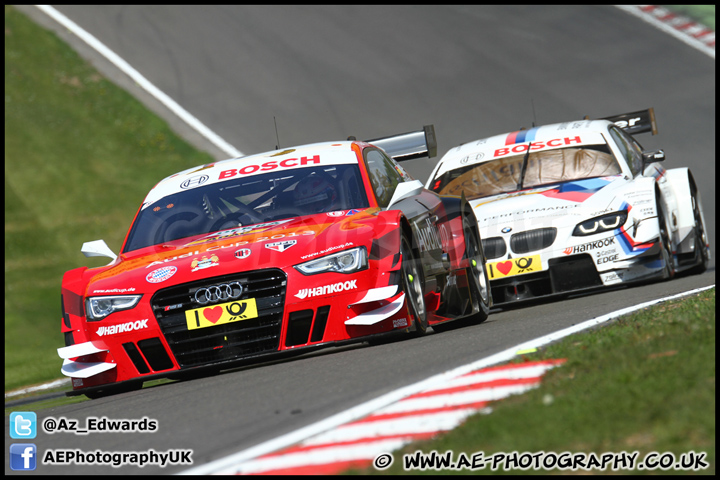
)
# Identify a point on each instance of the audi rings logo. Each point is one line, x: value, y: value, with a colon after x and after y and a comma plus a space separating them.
x: 218, y: 293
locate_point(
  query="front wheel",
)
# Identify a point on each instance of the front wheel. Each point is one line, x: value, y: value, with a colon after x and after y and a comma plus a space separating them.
x: 477, y: 275
x: 702, y: 250
x: 412, y: 284
x: 666, y: 245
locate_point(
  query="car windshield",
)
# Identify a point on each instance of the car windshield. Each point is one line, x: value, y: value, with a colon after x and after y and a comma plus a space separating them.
x: 248, y: 201
x: 544, y: 167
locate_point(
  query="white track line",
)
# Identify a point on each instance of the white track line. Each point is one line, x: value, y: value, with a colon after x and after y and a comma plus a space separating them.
x: 143, y: 82
x: 45, y: 386
x: 383, y: 401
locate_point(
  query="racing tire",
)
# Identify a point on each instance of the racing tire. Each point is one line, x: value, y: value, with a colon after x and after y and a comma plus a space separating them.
x: 412, y: 285
x: 702, y: 250
x: 666, y: 245
x: 476, y: 273
x: 477, y: 280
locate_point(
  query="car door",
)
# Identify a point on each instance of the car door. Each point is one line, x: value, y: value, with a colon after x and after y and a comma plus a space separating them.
x: 422, y: 208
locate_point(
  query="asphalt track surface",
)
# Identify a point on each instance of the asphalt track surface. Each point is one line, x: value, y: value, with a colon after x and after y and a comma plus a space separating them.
x: 328, y: 72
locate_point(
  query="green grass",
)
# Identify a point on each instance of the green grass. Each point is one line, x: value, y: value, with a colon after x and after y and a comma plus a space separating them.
x: 644, y: 383
x: 704, y: 14
x: 80, y: 156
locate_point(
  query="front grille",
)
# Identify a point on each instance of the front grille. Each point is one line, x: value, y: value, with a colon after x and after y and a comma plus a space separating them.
x: 300, y: 323
x: 136, y: 358
x: 321, y: 318
x: 155, y: 354
x: 230, y: 341
x: 574, y: 273
x: 298, y: 330
x: 532, y: 240
x: 521, y: 287
x: 493, y: 247
x: 564, y: 275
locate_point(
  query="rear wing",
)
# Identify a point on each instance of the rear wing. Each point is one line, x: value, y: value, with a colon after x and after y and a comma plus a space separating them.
x: 407, y: 146
x: 636, y: 122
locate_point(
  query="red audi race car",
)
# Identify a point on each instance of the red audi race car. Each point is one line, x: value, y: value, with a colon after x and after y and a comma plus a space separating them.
x: 268, y: 254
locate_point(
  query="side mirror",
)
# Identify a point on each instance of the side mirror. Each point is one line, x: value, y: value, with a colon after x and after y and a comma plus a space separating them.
x: 653, y: 156
x: 98, y: 248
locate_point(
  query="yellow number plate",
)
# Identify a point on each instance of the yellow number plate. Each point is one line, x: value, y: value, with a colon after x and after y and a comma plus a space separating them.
x: 514, y: 266
x: 222, y: 313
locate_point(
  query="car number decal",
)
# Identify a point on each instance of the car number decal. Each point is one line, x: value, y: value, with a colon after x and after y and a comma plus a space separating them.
x: 514, y: 266
x: 221, y: 313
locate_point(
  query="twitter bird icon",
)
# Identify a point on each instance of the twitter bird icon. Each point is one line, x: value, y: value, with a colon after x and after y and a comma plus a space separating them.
x: 23, y: 425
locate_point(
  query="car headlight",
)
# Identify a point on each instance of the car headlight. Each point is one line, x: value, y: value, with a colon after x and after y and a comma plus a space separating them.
x: 347, y: 261
x: 600, y: 224
x: 98, y: 308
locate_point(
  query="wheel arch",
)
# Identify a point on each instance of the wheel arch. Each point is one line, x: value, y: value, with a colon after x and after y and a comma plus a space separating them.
x: 679, y: 209
x: 457, y: 207
x: 406, y: 229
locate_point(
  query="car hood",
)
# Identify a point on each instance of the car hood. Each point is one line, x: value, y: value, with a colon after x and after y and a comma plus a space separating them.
x: 555, y: 205
x: 280, y: 244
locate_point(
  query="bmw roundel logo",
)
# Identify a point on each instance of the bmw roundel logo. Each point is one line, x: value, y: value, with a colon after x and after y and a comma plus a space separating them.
x: 506, y: 230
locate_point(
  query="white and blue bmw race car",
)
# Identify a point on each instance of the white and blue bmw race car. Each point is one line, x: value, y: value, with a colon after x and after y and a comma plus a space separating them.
x: 575, y: 206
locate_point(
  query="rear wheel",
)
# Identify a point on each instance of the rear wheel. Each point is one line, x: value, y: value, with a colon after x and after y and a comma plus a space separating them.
x: 412, y: 284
